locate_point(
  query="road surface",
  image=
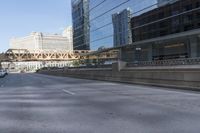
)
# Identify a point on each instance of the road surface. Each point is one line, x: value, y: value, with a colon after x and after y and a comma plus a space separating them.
x: 33, y: 103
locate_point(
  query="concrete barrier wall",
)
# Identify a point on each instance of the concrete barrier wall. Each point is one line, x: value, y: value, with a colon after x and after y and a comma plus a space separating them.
x: 168, y: 76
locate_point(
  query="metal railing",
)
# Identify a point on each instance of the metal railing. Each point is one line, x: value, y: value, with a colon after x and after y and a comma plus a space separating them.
x: 170, y: 62
x: 92, y: 66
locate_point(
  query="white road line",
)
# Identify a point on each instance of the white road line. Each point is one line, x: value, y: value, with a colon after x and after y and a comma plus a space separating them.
x: 68, y: 92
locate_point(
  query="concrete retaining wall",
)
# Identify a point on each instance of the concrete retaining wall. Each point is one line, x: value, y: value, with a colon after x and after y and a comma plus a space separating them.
x: 181, y: 77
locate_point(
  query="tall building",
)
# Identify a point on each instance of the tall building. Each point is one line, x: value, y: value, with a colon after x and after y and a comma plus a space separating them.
x: 68, y: 33
x: 168, y: 32
x: 81, y: 25
x: 40, y: 41
x: 103, y: 23
x: 122, y: 28
x: 93, y: 22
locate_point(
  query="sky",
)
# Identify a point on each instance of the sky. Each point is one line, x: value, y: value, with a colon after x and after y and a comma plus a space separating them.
x: 19, y: 18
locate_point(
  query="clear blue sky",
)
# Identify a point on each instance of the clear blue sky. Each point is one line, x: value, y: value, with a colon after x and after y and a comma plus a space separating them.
x: 20, y: 17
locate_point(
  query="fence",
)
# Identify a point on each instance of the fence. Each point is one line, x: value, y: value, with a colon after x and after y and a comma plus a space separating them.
x: 171, y: 62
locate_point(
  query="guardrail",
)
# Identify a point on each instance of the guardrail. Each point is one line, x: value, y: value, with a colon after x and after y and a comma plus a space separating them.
x: 80, y: 67
x: 171, y: 62
x: 92, y: 66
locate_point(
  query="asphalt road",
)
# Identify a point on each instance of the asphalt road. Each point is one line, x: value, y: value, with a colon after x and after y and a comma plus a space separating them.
x: 32, y: 103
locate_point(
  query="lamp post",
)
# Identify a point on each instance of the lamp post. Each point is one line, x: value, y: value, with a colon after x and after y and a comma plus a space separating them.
x: 138, y: 52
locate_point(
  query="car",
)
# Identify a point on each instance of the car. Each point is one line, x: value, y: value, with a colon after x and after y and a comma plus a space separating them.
x: 6, y: 71
x: 3, y: 73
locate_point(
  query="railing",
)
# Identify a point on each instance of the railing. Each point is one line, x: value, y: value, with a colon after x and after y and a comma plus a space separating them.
x: 171, y: 62
x: 79, y: 67
x: 92, y: 66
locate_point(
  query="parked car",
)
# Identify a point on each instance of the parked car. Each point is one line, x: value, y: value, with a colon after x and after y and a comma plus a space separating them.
x: 3, y: 73
x: 6, y: 71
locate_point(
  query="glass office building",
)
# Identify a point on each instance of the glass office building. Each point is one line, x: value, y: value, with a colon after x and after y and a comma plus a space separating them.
x: 93, y: 21
x: 122, y: 24
x: 101, y: 20
x: 160, y: 29
x: 169, y: 31
x: 80, y: 18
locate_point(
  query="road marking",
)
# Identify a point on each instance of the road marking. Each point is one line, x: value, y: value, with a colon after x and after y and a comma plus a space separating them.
x: 68, y: 92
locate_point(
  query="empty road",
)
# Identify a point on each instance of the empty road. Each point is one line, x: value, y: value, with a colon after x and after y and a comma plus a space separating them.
x: 33, y: 103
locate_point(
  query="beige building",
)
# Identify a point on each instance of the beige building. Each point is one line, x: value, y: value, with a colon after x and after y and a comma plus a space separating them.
x: 40, y: 41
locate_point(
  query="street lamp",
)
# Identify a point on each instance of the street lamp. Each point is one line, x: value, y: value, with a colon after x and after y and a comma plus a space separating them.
x: 138, y: 52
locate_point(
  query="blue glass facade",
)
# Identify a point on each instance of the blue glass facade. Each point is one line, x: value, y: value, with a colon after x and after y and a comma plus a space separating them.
x: 122, y: 28
x: 92, y: 20
x: 80, y: 18
x: 155, y: 25
x: 101, y: 11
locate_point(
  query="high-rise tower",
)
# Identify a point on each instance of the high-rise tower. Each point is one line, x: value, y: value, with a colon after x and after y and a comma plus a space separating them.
x: 81, y: 25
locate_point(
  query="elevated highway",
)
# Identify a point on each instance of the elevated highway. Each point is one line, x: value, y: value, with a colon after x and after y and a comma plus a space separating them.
x: 15, y: 55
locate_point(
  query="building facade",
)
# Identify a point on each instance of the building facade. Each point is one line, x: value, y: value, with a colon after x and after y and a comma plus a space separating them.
x: 167, y: 32
x: 93, y: 22
x: 165, y: 2
x: 40, y: 41
x: 68, y: 33
x: 122, y: 28
x: 102, y: 27
x: 81, y: 25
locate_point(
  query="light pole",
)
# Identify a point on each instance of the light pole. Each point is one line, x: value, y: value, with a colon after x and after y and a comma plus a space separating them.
x: 138, y: 52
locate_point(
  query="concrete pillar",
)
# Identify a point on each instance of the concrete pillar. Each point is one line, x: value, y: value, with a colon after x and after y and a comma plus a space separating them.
x: 118, y: 66
x: 193, y: 47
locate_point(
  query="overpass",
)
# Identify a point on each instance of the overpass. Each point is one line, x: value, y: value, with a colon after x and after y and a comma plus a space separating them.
x: 22, y: 55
